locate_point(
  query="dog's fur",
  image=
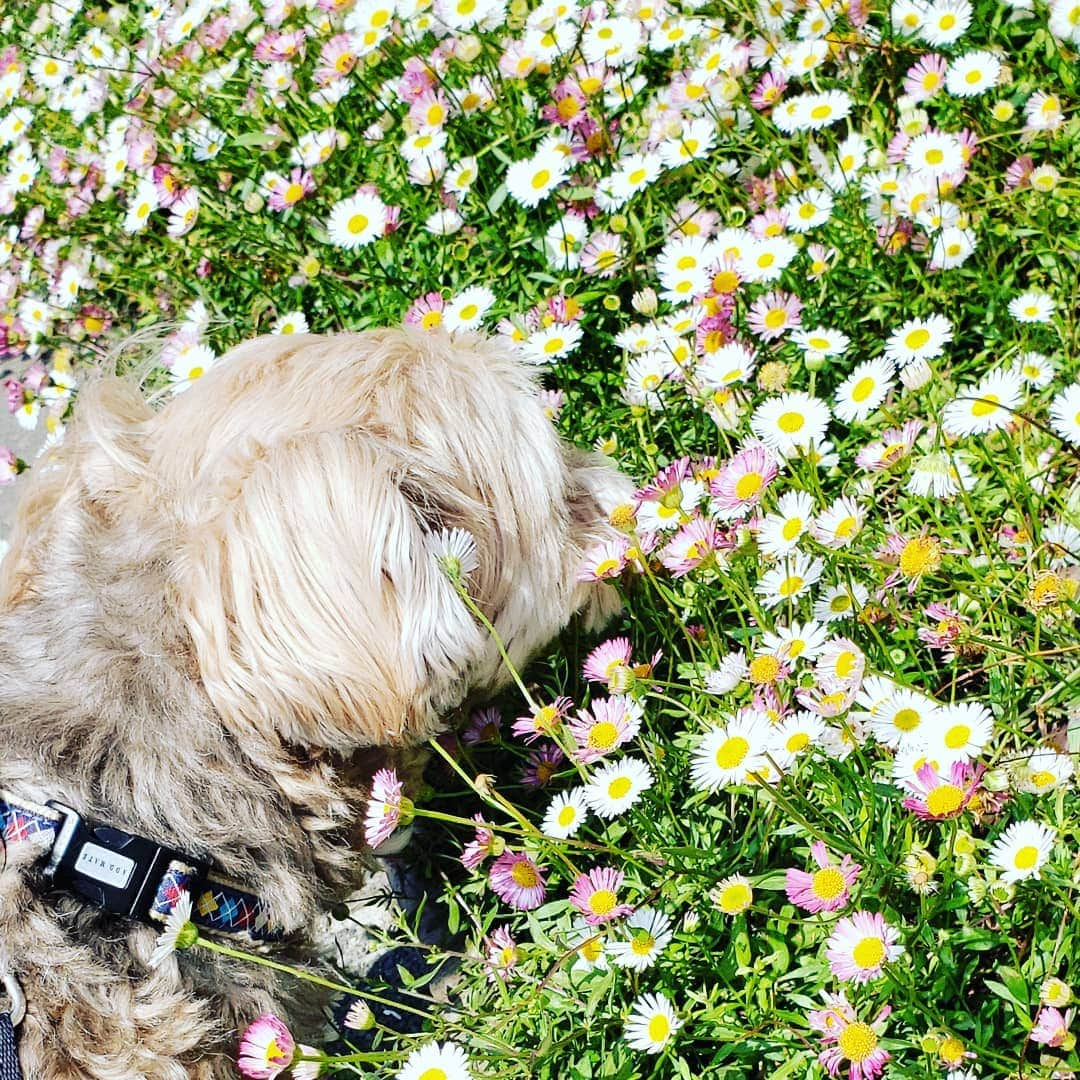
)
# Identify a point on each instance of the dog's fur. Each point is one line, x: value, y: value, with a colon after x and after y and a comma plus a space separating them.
x: 207, y: 609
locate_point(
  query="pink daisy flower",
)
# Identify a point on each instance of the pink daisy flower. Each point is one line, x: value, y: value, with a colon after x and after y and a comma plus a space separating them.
x: 694, y: 545
x: 604, y: 560
x: 542, y: 719
x: 517, y: 880
x: 384, y: 808
x: 607, y: 724
x: 502, y: 954
x: 949, y: 624
x: 596, y: 895
x: 266, y: 1048
x: 847, y: 1038
x: 483, y: 844
x: 828, y: 888
x: 925, y: 77
x: 774, y: 314
x: 894, y: 445
x: 860, y: 944
x: 426, y: 311
x: 1050, y: 1027
x: 609, y: 662
x: 288, y: 193
x: 738, y: 487
x: 939, y: 797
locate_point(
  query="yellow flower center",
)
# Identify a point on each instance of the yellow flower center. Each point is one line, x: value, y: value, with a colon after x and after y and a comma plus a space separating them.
x: 293, y: 193
x: 566, y: 816
x: 1026, y: 857
x: 857, y: 1041
x: 434, y: 1073
x: 920, y: 556
x: 845, y: 663
x: 790, y: 585
x: 846, y: 527
x: 906, y: 720
x: 659, y: 1028
x: 916, y: 339
x: 790, y: 422
x: 619, y: 788
x: 797, y: 743
x: 1042, y: 778
x: 643, y: 944
x: 957, y: 736
x: 792, y: 528
x: 357, y: 224
x: 944, y: 800
x: 431, y: 320
x: 986, y: 404
x: 731, y: 752
x: 734, y: 898
x: 603, y: 736
x: 540, y: 179
x: 868, y: 953
x: 775, y: 318
x: 828, y: 883
x: 764, y: 669
x: 525, y: 875
x: 749, y: 485
x: 947, y: 21
x: 863, y: 389
x: 951, y: 1051
x: 602, y: 902
x: 933, y: 157
x: 821, y: 112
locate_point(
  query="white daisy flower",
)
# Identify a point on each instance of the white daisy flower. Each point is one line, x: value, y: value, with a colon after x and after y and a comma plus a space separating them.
x: 798, y: 641
x: 790, y: 421
x: 564, y: 240
x: 945, y: 21
x: 454, y: 550
x: 143, y: 203
x: 766, y: 260
x: 940, y: 474
x: 552, y: 342
x: 821, y: 342
x: 1031, y: 307
x: 566, y: 814
x: 651, y: 1024
x: 808, y: 209
x: 780, y: 532
x: 901, y: 719
x: 615, y: 787
x: 357, y: 221
x: 984, y: 407
x: 840, y: 602
x: 796, y: 734
x: 1035, y: 369
x: 790, y: 580
x: 972, y: 73
x: 648, y: 933
x: 179, y: 932
x: 958, y: 732
x: 951, y: 248
x: 839, y: 524
x: 730, y: 670
x: 724, y: 755
x: 934, y: 154
x: 731, y: 363
x: 812, y: 112
x: 532, y: 180
x: 1022, y: 850
x: 190, y: 363
x: 436, y: 1061
x: 293, y: 322
x: 464, y: 311
x: 1045, y: 770
x: 863, y: 390
x: 1065, y: 414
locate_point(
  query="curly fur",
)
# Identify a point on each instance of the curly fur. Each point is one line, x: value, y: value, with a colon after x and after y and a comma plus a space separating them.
x: 208, y: 610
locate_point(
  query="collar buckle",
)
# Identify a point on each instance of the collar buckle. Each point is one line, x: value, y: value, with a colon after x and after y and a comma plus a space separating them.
x: 111, y: 869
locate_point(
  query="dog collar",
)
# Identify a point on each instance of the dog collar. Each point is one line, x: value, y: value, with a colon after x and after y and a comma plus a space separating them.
x: 129, y: 875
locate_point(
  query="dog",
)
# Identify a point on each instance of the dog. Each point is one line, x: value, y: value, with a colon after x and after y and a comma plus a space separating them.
x: 209, y: 608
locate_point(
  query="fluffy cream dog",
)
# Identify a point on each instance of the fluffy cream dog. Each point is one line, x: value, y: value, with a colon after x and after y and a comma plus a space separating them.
x: 207, y: 609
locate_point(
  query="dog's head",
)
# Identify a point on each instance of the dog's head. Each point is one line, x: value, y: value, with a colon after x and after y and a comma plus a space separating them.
x: 294, y: 491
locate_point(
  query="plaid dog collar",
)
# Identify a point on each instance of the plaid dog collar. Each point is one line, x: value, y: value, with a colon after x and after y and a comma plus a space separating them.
x: 129, y: 875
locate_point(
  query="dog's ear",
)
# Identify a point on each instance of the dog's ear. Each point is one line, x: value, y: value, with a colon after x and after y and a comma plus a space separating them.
x: 315, y: 605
